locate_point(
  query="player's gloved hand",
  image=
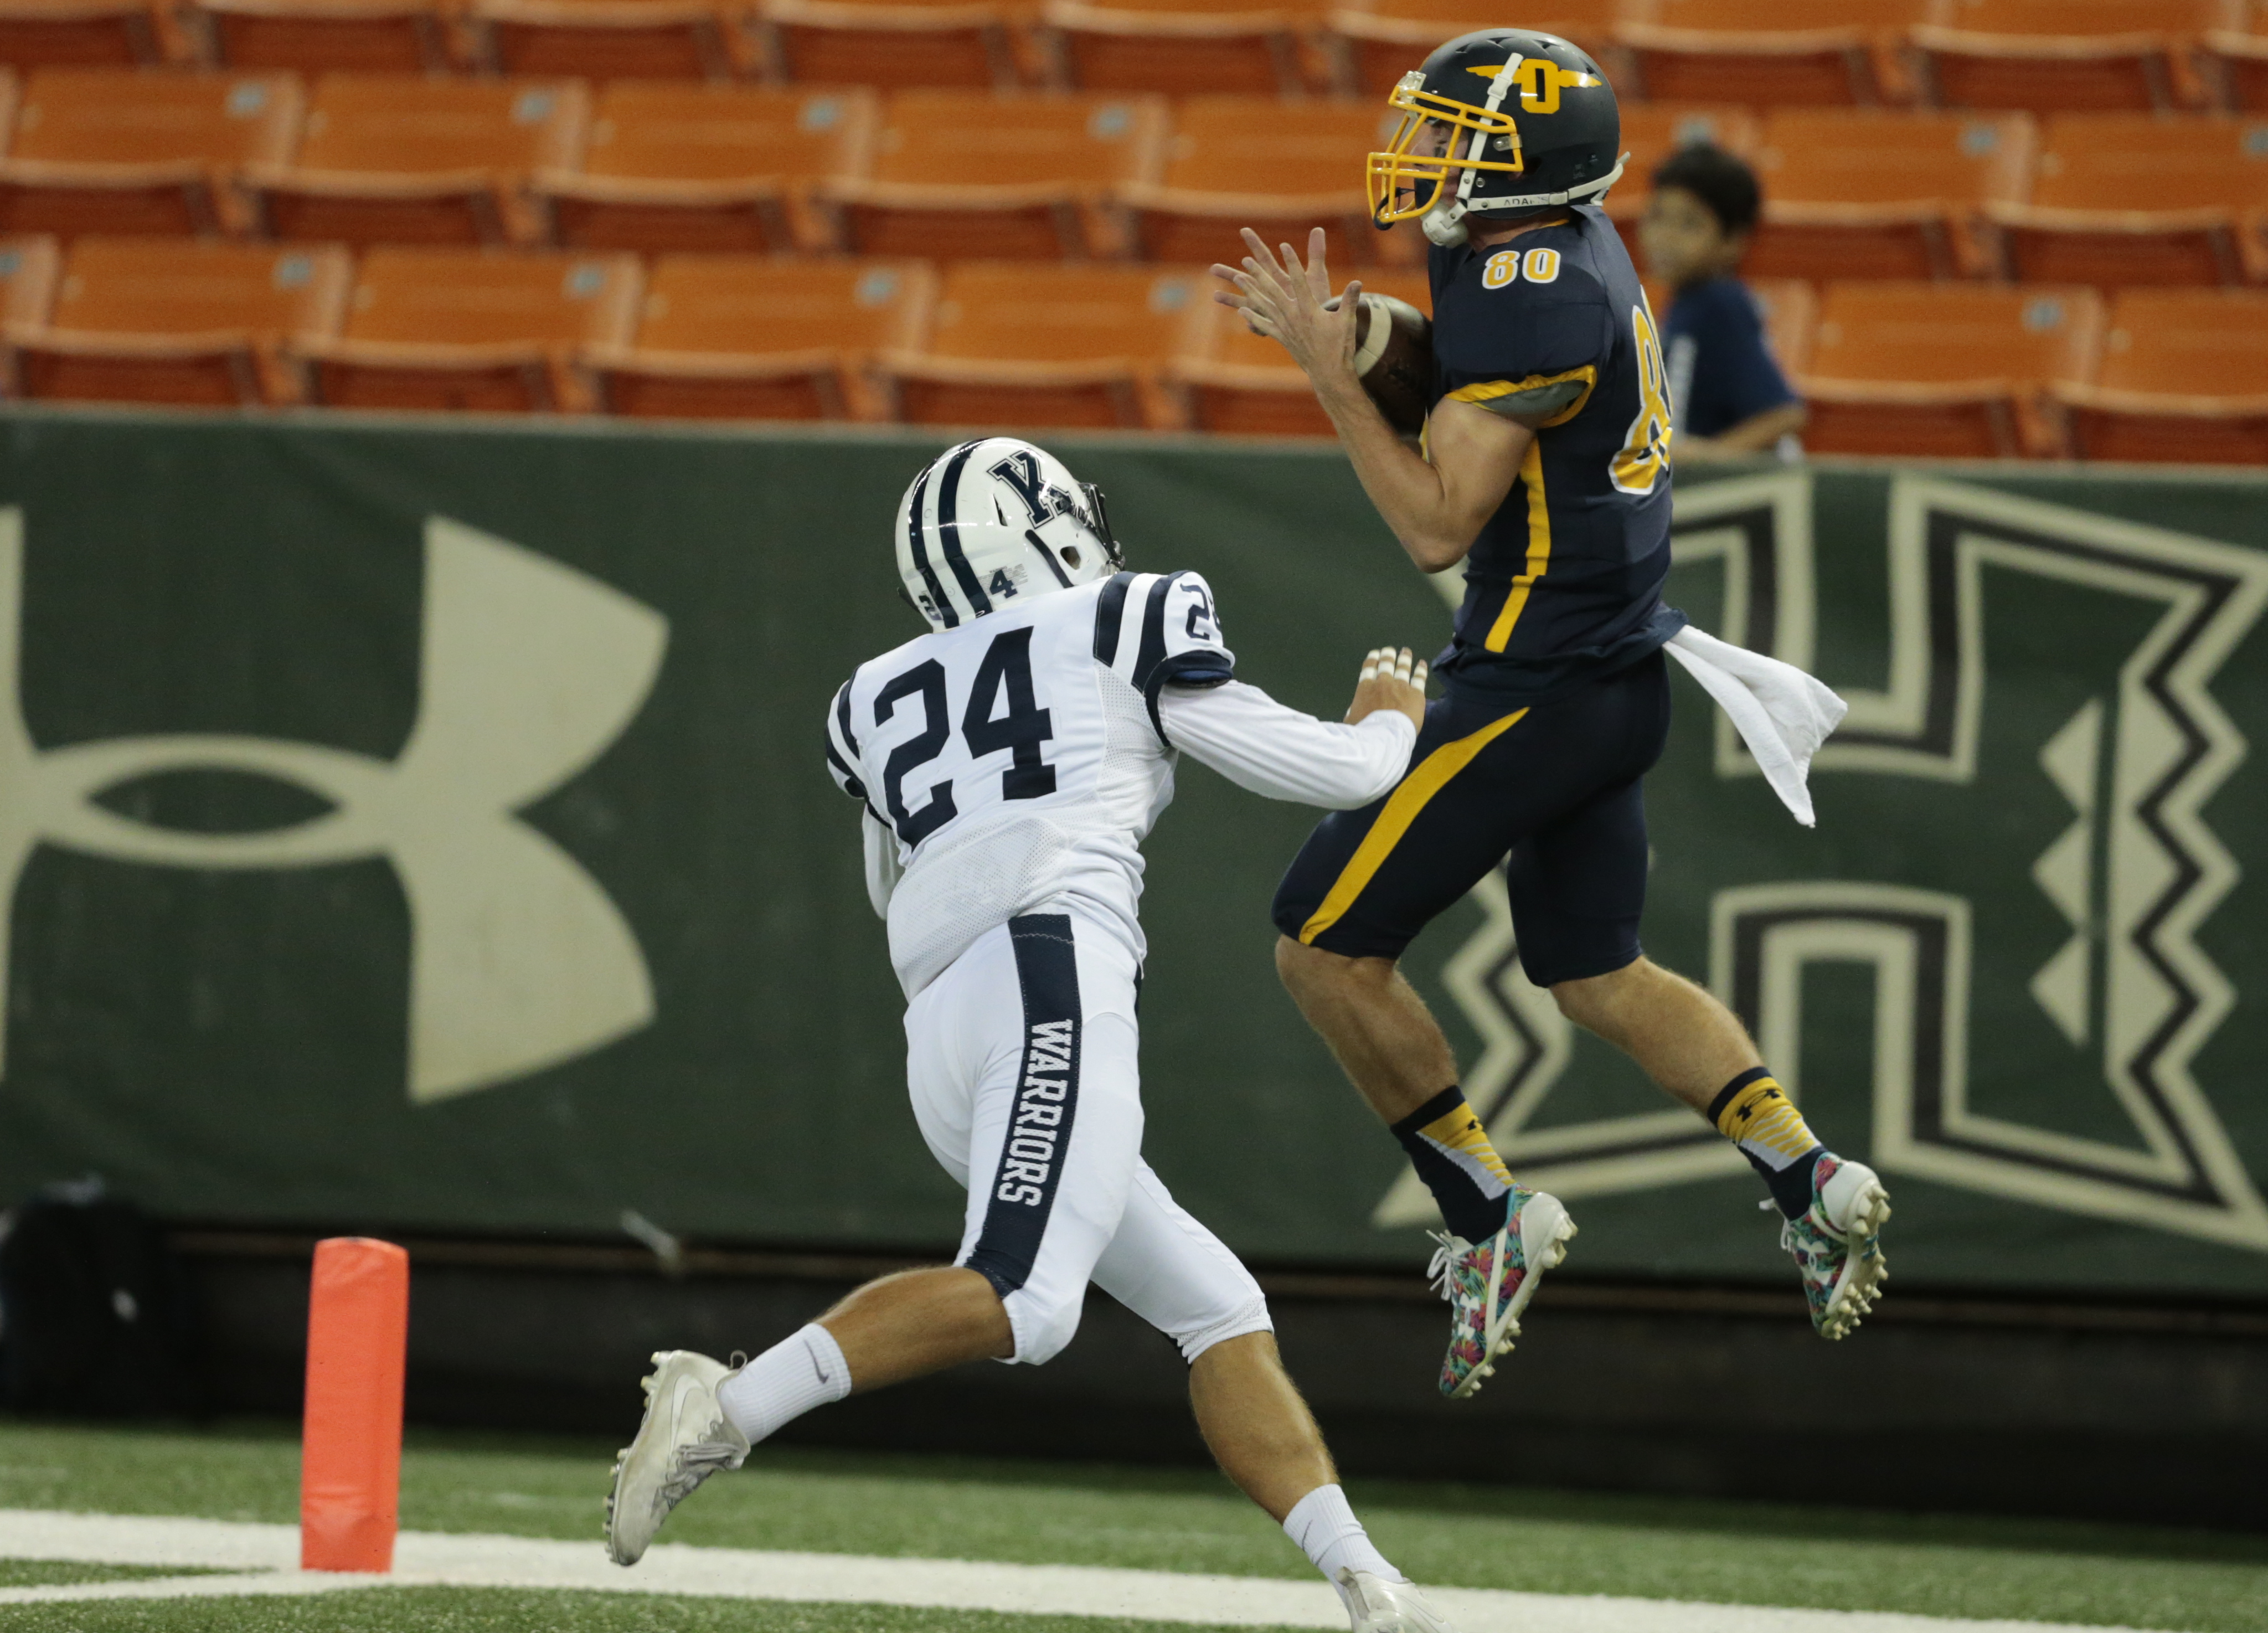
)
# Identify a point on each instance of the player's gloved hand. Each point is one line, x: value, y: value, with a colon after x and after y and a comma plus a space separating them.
x: 1390, y: 679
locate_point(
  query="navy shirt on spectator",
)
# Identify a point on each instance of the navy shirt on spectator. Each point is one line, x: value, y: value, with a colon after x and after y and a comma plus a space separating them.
x: 1721, y: 373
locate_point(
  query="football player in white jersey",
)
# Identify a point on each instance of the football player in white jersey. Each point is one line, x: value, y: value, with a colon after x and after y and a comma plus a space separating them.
x: 1008, y: 764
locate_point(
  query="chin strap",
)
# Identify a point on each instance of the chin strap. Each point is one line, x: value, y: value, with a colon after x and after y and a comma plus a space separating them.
x: 1445, y: 223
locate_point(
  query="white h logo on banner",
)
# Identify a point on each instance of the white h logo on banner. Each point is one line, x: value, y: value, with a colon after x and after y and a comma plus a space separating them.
x: 519, y: 960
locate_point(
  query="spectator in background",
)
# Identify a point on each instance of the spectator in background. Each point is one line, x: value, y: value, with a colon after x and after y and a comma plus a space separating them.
x: 1729, y: 395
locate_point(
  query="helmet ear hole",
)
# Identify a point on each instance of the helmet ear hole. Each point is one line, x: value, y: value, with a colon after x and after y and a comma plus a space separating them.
x: 1070, y: 554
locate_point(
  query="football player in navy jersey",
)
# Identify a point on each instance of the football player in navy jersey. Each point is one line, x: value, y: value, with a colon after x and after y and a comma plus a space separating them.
x: 1545, y: 472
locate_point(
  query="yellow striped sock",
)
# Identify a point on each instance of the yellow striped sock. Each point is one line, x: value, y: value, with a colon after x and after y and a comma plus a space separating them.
x: 1764, y: 1123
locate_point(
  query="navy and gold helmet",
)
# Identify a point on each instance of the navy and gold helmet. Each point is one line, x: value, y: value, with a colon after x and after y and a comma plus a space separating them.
x: 1530, y: 124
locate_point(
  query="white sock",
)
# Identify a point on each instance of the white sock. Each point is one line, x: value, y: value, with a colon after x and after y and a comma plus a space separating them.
x: 1324, y: 1526
x: 804, y: 1369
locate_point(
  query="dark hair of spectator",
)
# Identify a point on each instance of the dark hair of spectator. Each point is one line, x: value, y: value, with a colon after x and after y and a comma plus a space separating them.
x: 1720, y: 181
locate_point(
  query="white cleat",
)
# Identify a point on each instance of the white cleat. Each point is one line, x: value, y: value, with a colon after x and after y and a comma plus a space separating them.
x: 685, y: 1438
x: 1377, y: 1606
x: 1837, y: 1244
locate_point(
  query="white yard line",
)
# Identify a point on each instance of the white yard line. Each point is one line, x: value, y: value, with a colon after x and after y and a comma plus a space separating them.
x: 265, y: 1559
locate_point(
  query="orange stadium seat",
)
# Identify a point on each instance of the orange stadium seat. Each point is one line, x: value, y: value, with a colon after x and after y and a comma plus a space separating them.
x: 1862, y: 193
x: 451, y: 327
x: 387, y: 159
x: 2233, y: 58
x: 325, y: 36
x: 1372, y: 43
x: 29, y: 265
x: 1187, y: 47
x: 2184, y: 379
x: 82, y: 33
x: 1230, y: 379
x: 1277, y: 167
x: 2137, y: 198
x: 179, y: 320
x: 1651, y: 131
x: 607, y: 39
x: 894, y: 44
x: 113, y: 151
x: 1014, y: 343
x: 2085, y: 55
x: 1765, y: 51
x: 738, y: 337
x: 704, y: 168
x: 1943, y: 371
x: 964, y: 175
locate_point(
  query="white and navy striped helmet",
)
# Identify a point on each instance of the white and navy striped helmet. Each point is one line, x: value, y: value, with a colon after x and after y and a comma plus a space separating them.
x: 994, y: 520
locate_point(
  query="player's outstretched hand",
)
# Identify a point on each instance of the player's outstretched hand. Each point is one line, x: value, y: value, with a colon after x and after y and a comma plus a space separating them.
x: 1293, y: 301
x: 1390, y: 679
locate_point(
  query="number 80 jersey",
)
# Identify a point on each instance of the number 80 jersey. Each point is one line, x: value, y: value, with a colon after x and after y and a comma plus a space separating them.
x: 1019, y: 760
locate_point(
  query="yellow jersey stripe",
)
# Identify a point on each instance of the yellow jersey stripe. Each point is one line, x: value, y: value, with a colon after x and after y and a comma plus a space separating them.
x: 1402, y: 808
x: 1539, y: 550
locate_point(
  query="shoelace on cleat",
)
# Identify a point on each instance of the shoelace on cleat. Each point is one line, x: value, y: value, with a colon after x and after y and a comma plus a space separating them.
x: 1442, y: 1272
x: 694, y: 1464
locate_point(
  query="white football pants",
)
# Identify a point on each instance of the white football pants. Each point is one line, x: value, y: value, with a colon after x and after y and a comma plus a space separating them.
x: 1021, y: 1061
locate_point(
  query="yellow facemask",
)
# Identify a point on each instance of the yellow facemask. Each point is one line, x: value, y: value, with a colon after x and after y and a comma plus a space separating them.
x: 1538, y: 81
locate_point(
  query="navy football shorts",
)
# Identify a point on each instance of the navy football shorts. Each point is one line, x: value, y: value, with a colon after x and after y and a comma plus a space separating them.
x: 1555, y: 787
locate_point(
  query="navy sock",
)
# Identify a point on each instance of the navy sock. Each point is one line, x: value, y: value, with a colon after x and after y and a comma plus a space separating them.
x: 1452, y: 1154
x: 1755, y: 1113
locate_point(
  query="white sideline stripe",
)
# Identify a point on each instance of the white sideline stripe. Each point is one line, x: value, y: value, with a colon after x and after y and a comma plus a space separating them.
x: 266, y: 1559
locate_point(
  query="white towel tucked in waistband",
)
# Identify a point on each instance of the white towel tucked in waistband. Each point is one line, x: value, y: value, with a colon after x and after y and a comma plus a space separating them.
x: 1783, y: 714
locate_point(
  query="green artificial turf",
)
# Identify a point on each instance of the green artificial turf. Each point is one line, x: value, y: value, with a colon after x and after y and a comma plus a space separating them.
x: 511, y: 1610
x: 1543, y: 1542
x: 58, y: 1572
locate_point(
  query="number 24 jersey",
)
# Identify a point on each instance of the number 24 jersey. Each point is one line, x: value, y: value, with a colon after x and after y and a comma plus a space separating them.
x: 1016, y: 762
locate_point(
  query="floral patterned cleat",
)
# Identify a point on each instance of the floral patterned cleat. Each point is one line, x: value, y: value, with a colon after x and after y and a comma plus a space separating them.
x: 1488, y: 1286
x: 1837, y: 1244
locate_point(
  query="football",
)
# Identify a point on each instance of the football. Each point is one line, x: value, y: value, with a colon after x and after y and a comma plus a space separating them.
x: 1394, y: 359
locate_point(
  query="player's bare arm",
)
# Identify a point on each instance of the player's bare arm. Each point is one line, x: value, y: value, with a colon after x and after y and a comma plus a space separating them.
x: 1436, y: 502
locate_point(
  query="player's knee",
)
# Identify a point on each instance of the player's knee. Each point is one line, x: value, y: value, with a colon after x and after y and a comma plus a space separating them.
x: 1310, y: 972
x: 1592, y: 1001
x: 1244, y: 1321
x: 1041, y: 1335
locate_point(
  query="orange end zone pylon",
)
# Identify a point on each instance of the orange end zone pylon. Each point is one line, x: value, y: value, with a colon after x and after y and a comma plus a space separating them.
x: 351, y: 1450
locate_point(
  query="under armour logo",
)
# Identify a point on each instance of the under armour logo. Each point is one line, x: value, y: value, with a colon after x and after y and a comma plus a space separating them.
x: 530, y: 669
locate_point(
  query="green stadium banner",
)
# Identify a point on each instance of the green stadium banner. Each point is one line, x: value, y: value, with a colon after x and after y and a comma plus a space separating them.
x: 421, y: 825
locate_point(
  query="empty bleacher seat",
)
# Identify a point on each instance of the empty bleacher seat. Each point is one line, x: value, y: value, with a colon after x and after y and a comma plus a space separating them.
x: 605, y: 40
x: 1230, y: 380
x: 181, y: 321
x: 1770, y: 52
x: 1182, y: 47
x: 2234, y: 61
x: 2184, y: 379
x: 1277, y: 167
x: 29, y: 267
x: 892, y: 43
x: 704, y: 168
x: 81, y: 33
x: 1372, y: 43
x: 2091, y: 55
x: 1861, y: 193
x: 1015, y: 343
x: 1943, y: 369
x: 112, y: 151
x: 960, y: 175
x: 385, y: 159
x: 2133, y: 198
x: 325, y: 36
x: 741, y: 337
x: 469, y: 328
